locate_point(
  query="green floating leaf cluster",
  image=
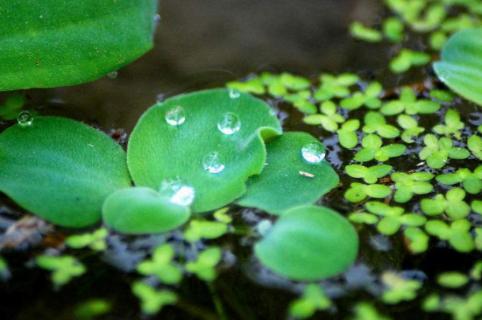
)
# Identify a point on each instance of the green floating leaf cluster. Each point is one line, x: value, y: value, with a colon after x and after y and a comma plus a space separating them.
x: 63, y: 268
x: 312, y: 300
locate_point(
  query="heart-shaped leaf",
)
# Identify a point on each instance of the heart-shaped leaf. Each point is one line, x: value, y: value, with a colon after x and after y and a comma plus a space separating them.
x: 141, y: 210
x: 309, y: 243
x: 211, y: 140
x: 60, y: 169
x: 296, y: 174
x: 52, y: 43
x: 461, y: 64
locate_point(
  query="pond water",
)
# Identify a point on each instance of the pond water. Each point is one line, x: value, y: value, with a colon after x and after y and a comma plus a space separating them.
x: 204, y: 44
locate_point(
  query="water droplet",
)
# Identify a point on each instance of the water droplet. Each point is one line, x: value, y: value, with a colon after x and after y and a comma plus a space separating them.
x: 234, y: 94
x: 212, y: 163
x: 25, y: 119
x: 264, y: 226
x: 175, y: 116
x: 177, y: 192
x: 313, y: 153
x: 157, y: 19
x: 229, y: 124
x: 112, y: 75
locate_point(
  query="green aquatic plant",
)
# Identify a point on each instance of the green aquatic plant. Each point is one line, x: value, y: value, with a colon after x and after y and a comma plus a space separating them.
x: 60, y: 169
x: 359, y: 31
x: 460, y: 68
x: 408, y: 103
x: 203, y: 229
x: 93, y: 240
x: 141, y: 210
x: 407, y: 59
x: 387, y: 219
x: 152, y: 300
x: 457, y: 233
x: 68, y: 43
x: 347, y: 136
x: 300, y: 244
x: 375, y: 123
x: 452, y: 203
x: 329, y: 119
x: 474, y: 144
x: 470, y: 181
x: 368, y: 174
x: 295, y: 174
x: 372, y: 149
x: 312, y: 300
x: 452, y: 279
x: 63, y: 268
x: 409, y: 184
x: 366, y: 311
x: 437, y: 151
x: 410, y: 126
x: 161, y: 265
x: 459, y: 307
x: 359, y: 191
x: 399, y: 289
x: 204, y: 267
x: 417, y: 240
x: 369, y: 97
x: 92, y: 308
x: 332, y: 86
x: 393, y: 29
x: 452, y: 126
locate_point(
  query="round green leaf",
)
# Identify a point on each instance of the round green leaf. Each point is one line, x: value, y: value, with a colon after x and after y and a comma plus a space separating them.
x: 60, y: 169
x: 309, y: 243
x: 288, y: 180
x: 461, y: 66
x: 196, y: 151
x: 141, y: 210
x: 58, y: 43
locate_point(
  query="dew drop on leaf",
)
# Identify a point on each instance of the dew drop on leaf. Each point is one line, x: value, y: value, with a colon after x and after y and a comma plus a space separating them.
x: 175, y: 116
x: 229, y: 123
x: 234, y: 94
x: 313, y: 153
x: 177, y: 192
x: 212, y: 163
x: 25, y: 119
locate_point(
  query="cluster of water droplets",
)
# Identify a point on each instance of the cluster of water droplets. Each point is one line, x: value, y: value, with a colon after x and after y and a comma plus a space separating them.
x: 178, y: 192
x: 25, y: 119
x: 313, y: 153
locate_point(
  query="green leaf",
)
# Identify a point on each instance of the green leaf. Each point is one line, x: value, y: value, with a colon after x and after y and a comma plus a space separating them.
x: 60, y: 43
x: 359, y: 31
x: 313, y: 299
x: 460, y: 67
x: 152, y: 300
x: 64, y: 268
x: 452, y: 279
x: 203, y: 140
x: 140, y: 210
x: 161, y: 266
x: 94, y: 240
x: 309, y: 243
x: 204, y: 266
x: 60, y: 169
x: 289, y: 180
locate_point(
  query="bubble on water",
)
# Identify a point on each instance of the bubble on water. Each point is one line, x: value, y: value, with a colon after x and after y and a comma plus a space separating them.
x: 178, y: 192
x: 25, y: 119
x: 264, y: 226
x: 175, y: 116
x: 112, y: 75
x: 313, y: 153
x: 229, y: 123
x: 212, y: 163
x: 234, y: 94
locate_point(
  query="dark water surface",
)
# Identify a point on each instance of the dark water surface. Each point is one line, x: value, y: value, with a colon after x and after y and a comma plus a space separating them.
x: 202, y: 44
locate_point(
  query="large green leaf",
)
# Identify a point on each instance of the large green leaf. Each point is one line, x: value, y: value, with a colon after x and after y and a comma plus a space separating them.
x: 60, y: 169
x: 180, y: 139
x: 52, y: 43
x: 309, y: 243
x: 141, y: 210
x: 461, y: 64
x: 289, y: 180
